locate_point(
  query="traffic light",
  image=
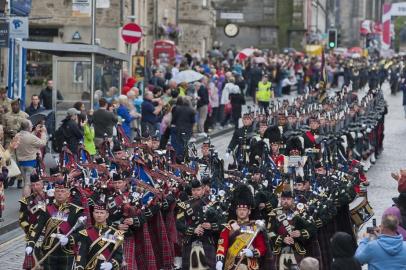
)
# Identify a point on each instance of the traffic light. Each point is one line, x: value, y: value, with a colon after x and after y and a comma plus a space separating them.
x: 332, y: 38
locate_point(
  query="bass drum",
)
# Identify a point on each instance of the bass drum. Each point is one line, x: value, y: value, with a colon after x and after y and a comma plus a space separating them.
x: 361, y: 211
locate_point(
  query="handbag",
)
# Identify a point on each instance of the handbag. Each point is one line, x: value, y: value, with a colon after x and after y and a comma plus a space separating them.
x: 12, y: 167
x: 228, y: 108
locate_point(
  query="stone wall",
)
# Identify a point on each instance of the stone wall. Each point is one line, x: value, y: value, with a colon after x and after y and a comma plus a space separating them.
x: 197, y: 24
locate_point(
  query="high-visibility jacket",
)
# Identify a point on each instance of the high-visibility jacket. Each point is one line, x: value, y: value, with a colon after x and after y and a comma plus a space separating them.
x: 264, y: 92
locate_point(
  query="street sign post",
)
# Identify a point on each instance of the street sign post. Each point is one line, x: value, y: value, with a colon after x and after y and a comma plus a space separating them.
x: 131, y: 33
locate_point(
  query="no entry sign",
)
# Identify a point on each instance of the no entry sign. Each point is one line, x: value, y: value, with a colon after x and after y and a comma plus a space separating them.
x: 131, y: 33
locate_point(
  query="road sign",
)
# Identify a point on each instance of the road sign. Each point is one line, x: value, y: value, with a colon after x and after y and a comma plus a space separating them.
x: 131, y: 33
x: 19, y: 27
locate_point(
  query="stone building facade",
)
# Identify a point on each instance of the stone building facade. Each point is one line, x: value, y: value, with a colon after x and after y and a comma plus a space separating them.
x: 195, y: 19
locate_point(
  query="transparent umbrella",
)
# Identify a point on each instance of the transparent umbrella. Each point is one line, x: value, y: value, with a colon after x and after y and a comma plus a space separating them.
x: 188, y: 76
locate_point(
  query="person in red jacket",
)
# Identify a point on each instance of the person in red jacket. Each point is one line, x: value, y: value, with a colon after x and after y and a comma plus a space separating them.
x: 242, y: 241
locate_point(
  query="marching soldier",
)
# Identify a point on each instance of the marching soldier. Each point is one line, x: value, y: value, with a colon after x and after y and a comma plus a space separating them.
x: 56, y: 220
x: 30, y: 209
x: 242, y: 242
x: 100, y: 246
x: 311, y: 136
x: 240, y: 141
x: 198, y: 225
x: 288, y: 233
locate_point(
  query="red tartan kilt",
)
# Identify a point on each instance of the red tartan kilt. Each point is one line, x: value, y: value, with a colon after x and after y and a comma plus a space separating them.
x: 129, y: 254
x: 29, y: 262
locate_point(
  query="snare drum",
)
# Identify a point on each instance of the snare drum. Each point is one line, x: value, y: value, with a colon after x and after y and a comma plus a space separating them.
x: 361, y: 211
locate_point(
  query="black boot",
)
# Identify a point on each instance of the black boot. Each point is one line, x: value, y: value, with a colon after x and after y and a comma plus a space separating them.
x: 11, y: 181
x: 20, y: 184
x: 5, y: 183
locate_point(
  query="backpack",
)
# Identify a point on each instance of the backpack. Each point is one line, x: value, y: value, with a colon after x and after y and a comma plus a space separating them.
x: 58, y: 139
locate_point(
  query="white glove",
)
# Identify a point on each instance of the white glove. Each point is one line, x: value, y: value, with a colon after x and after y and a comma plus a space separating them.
x: 62, y: 239
x: 50, y: 192
x: 248, y: 253
x: 28, y: 250
x: 106, y: 266
x: 219, y: 265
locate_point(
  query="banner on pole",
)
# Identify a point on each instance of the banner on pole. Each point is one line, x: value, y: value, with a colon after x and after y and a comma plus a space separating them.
x: 4, y: 34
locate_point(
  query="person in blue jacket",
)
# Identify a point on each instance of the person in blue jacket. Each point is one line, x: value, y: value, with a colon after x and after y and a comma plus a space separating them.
x: 387, y: 251
x: 124, y: 112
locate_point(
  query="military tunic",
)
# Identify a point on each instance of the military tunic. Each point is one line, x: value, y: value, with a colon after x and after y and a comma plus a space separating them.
x: 98, y: 244
x: 56, y: 219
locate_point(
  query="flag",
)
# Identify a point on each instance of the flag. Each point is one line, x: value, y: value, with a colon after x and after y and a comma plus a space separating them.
x: 323, y: 78
x: 141, y: 174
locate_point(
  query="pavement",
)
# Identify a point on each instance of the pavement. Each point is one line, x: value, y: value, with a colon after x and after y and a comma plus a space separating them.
x: 382, y: 187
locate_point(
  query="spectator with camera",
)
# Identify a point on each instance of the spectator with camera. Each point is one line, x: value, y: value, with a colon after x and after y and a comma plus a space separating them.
x: 383, y: 248
x: 28, y: 149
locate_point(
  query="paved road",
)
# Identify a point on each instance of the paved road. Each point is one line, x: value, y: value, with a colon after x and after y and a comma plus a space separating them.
x: 380, y: 192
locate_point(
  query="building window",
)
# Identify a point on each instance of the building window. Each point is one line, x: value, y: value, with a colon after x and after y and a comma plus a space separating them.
x: 205, y: 3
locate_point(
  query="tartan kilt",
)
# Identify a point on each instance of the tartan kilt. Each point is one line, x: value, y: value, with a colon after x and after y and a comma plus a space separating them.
x: 170, y: 224
x: 29, y: 262
x: 162, y: 248
x: 209, y: 252
x: 58, y: 262
x: 130, y: 262
x: 144, y: 250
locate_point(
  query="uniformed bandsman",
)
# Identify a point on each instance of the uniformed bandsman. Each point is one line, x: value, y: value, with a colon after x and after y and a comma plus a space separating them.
x: 288, y: 232
x: 198, y: 224
x: 56, y: 220
x: 100, y: 246
x: 242, y: 241
x: 30, y: 209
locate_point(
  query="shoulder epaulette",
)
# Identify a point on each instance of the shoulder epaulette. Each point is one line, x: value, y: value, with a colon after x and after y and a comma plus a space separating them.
x: 23, y: 200
x: 182, y: 205
x: 83, y: 232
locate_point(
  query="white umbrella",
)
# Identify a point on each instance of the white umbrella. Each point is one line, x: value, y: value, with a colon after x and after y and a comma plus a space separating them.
x: 187, y: 76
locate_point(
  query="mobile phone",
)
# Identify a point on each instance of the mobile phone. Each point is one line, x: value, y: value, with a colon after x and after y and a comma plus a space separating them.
x: 374, y: 222
x: 370, y: 230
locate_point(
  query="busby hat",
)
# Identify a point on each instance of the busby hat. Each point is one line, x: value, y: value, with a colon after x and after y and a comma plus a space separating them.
x: 274, y: 135
x: 243, y: 197
x: 294, y: 143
